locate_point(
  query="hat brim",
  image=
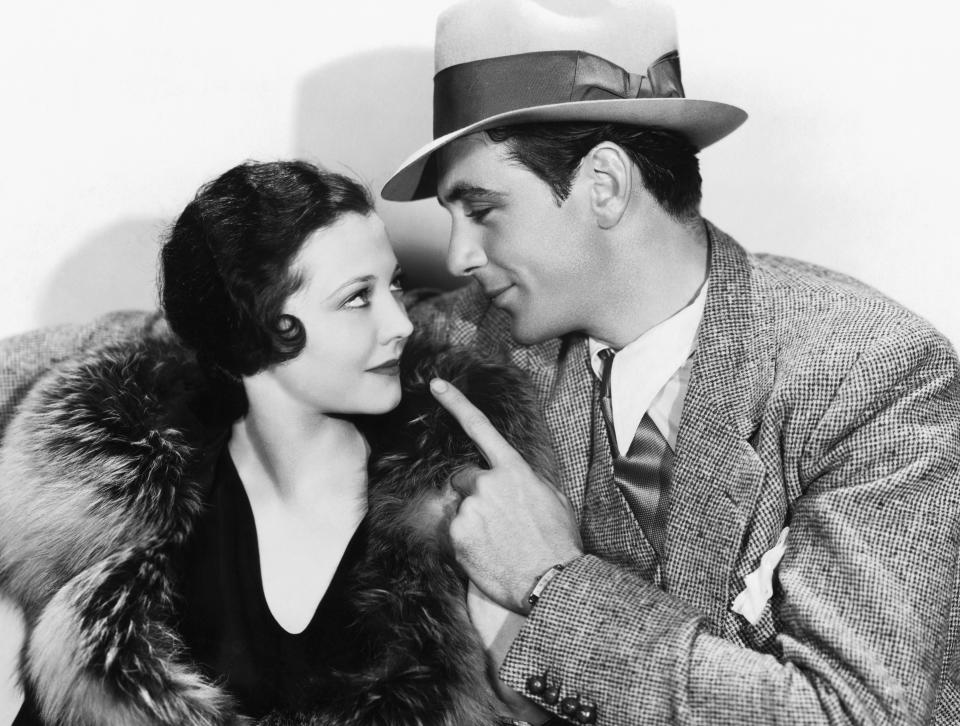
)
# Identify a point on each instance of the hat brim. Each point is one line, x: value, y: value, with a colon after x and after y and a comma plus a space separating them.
x: 702, y: 122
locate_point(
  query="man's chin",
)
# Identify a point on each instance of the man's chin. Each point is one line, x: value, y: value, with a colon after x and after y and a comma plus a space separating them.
x: 526, y: 333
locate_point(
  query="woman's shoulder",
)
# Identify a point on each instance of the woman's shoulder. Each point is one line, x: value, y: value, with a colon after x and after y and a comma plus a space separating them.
x: 99, y: 478
x: 26, y: 357
x: 98, y: 457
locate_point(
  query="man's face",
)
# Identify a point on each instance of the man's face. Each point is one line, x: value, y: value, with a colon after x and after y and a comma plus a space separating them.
x: 531, y: 257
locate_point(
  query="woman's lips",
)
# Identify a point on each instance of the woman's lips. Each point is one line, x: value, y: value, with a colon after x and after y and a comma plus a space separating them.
x: 387, y: 368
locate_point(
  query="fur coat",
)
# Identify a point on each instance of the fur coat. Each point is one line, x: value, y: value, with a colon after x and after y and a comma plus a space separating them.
x: 102, y: 475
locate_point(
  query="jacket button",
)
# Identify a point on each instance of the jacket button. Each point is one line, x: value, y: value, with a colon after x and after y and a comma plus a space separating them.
x: 536, y: 685
x: 569, y: 705
x: 551, y: 695
x: 586, y: 714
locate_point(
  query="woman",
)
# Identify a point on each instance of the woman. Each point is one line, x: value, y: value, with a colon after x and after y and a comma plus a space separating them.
x: 239, y: 521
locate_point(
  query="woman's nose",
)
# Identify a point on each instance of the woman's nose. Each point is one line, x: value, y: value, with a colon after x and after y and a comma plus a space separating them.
x: 397, y: 326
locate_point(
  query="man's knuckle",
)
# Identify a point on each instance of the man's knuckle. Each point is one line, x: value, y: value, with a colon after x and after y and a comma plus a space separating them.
x: 488, y: 481
x: 515, y: 468
x: 456, y: 527
x: 467, y: 511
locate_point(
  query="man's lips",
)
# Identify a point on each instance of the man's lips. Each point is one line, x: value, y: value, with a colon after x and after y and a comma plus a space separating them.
x: 387, y: 368
x: 493, y: 294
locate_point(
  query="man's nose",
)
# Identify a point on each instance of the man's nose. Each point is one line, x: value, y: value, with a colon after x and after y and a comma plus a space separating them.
x: 465, y: 251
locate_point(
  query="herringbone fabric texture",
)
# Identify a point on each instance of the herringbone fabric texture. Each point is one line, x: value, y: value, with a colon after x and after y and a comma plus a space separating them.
x: 814, y: 401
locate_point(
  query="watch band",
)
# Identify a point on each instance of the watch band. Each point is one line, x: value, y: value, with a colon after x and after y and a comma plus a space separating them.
x: 542, y: 583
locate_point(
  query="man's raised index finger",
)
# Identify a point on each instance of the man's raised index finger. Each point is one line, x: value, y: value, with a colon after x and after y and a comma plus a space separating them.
x: 495, y: 449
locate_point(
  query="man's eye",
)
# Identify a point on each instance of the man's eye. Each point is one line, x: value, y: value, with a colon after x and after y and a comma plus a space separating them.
x: 359, y: 299
x: 477, y: 215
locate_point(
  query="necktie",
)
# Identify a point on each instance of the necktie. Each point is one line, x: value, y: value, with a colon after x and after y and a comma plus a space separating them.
x: 643, y: 475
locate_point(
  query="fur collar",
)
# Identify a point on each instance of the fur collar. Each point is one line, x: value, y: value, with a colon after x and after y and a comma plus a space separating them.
x: 102, y: 475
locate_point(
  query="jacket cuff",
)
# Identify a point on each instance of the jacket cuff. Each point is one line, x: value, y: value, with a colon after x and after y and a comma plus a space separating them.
x: 610, y: 644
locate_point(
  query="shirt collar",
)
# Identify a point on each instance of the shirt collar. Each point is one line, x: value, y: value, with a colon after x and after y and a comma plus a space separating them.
x: 643, y: 367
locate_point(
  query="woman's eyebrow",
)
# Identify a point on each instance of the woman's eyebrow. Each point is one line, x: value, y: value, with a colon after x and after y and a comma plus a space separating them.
x: 352, y: 281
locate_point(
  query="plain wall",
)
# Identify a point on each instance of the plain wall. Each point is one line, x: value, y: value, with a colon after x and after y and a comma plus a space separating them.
x: 115, y: 112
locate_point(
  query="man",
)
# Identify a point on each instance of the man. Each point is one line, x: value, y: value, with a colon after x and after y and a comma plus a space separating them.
x: 760, y: 458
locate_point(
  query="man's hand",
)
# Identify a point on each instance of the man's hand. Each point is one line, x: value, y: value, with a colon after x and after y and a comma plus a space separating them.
x: 511, y: 526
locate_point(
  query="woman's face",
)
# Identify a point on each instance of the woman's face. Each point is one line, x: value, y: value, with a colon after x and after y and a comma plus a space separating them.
x: 349, y: 304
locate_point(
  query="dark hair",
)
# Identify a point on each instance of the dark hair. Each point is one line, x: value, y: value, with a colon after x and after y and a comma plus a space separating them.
x: 226, y: 266
x: 667, y: 162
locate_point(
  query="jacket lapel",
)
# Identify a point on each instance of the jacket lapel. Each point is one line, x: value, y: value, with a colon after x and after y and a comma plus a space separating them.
x: 561, y: 373
x: 717, y: 474
x: 609, y: 527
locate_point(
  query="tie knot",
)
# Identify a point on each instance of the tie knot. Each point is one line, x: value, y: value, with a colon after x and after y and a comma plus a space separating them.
x: 606, y: 367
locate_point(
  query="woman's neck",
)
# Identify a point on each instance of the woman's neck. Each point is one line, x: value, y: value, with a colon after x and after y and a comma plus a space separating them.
x: 298, y: 457
x: 305, y: 476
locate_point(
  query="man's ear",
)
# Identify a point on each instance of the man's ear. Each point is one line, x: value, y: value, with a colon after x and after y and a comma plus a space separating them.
x: 609, y: 170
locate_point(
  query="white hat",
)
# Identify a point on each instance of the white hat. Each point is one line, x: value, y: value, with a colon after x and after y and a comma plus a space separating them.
x: 501, y: 62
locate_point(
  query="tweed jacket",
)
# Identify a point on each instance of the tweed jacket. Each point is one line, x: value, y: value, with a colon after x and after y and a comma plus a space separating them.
x: 814, y: 402
x: 104, y: 469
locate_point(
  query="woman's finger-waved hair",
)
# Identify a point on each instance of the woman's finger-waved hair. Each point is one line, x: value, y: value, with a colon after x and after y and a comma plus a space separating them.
x: 227, y: 266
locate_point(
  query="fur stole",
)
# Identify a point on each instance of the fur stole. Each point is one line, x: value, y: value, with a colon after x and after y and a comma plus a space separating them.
x: 102, y: 475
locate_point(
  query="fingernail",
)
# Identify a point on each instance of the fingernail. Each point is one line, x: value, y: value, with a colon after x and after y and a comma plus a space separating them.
x: 438, y: 386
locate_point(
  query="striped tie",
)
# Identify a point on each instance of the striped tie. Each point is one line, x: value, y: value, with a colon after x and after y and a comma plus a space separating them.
x: 643, y: 475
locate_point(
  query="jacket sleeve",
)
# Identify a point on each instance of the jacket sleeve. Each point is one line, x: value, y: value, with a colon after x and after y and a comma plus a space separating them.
x: 868, y: 617
x: 24, y: 358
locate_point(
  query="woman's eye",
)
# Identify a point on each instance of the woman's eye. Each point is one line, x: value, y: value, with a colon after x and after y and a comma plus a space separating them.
x: 359, y: 299
x: 397, y: 284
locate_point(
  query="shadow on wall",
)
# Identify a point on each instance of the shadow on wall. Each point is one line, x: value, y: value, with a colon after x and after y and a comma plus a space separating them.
x: 115, y: 269
x: 364, y: 115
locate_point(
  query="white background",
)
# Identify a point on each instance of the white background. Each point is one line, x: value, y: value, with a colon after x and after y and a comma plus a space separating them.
x: 112, y: 114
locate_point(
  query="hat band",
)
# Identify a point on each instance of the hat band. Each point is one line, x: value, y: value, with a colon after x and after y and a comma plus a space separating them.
x: 466, y: 93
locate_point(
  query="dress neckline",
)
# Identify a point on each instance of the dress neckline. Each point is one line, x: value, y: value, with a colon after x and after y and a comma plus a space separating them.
x: 247, y: 521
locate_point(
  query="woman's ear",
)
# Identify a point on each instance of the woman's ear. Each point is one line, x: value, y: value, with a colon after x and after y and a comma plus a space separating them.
x: 611, y: 182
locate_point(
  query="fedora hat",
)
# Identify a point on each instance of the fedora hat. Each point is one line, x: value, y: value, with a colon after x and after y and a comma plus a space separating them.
x: 501, y: 62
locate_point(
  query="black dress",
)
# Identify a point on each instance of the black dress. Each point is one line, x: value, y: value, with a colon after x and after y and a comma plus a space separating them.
x: 227, y: 627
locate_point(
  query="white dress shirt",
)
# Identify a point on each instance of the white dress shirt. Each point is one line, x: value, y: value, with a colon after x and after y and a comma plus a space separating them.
x: 651, y: 374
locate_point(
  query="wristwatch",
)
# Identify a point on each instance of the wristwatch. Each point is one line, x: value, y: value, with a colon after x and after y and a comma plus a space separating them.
x: 541, y: 584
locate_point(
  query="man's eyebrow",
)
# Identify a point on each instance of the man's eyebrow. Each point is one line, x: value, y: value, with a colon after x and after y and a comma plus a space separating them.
x: 471, y: 192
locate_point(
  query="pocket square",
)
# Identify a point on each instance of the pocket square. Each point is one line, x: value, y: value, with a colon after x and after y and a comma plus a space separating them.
x: 759, y: 583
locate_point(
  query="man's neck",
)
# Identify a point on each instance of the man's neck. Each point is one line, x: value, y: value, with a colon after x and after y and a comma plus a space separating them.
x: 654, y: 275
